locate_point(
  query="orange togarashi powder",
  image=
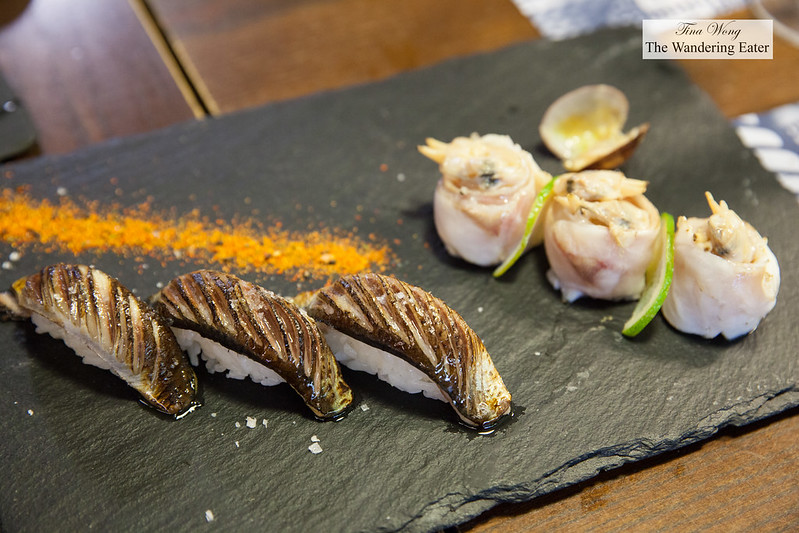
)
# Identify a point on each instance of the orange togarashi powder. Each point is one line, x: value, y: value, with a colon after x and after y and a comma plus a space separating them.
x: 244, y: 246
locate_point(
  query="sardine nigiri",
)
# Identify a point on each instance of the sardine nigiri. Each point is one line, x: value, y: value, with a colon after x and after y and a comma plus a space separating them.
x: 262, y: 328
x: 107, y: 325
x: 410, y: 323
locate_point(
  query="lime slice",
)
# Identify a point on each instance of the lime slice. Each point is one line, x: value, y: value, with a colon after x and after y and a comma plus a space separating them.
x: 658, y: 281
x: 535, y: 210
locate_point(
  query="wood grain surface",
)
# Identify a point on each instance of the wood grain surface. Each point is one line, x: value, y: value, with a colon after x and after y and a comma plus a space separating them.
x: 86, y: 71
x: 742, y: 480
x: 741, y: 86
x: 90, y: 71
x: 242, y: 53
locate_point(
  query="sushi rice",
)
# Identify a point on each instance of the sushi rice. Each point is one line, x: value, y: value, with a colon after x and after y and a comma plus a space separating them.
x: 90, y: 351
x: 398, y: 373
x: 220, y: 359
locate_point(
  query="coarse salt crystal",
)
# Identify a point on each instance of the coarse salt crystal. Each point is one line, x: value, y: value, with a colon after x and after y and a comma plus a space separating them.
x: 238, y: 424
x: 364, y: 407
x: 315, y: 448
x: 265, y: 422
x: 314, y: 438
x: 251, y: 422
x: 61, y: 191
x: 14, y: 256
x: 7, y: 265
x: 30, y: 412
x: 209, y: 515
x: 236, y: 443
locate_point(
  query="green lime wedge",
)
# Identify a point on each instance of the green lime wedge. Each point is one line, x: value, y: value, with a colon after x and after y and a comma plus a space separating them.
x: 658, y: 281
x: 535, y: 210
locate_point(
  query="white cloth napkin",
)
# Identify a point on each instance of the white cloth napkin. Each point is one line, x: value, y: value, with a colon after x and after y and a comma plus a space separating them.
x: 774, y: 137
x: 559, y: 19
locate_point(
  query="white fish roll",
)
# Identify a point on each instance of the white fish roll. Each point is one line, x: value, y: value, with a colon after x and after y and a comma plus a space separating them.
x: 483, y: 198
x: 726, y: 278
x: 600, y: 233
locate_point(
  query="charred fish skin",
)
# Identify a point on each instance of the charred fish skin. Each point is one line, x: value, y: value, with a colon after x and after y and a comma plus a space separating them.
x: 424, y: 331
x: 116, y: 326
x: 257, y: 323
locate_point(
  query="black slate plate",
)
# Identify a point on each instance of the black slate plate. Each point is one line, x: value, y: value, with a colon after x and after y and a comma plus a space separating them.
x: 586, y: 398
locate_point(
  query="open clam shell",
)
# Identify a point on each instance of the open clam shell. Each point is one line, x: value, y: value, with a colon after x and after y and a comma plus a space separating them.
x: 584, y: 128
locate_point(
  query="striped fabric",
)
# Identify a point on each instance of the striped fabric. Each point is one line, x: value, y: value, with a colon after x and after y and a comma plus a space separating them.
x: 560, y: 19
x: 774, y: 137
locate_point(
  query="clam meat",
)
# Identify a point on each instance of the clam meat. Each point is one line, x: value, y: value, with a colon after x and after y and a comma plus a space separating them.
x: 584, y: 128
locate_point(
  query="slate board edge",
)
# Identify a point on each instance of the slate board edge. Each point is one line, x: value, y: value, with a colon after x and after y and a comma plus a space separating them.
x: 454, y: 509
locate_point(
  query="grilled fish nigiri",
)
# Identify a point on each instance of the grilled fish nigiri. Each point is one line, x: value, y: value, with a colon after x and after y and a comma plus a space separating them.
x: 109, y: 327
x: 250, y: 331
x: 403, y: 321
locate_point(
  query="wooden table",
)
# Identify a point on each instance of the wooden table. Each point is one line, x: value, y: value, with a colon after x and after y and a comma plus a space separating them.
x: 88, y: 71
